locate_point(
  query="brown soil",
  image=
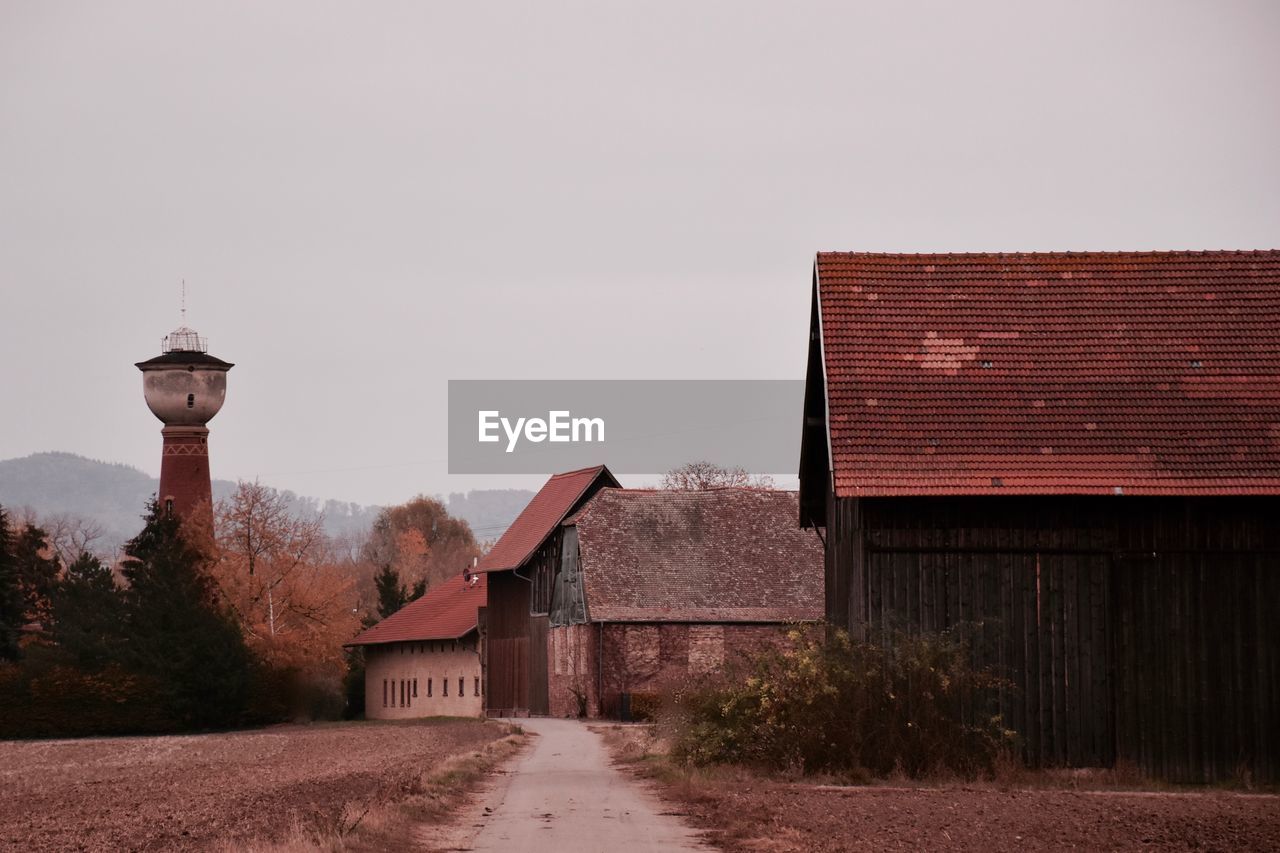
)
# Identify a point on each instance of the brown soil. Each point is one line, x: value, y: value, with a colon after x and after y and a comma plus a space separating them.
x: 742, y: 811
x: 196, y: 791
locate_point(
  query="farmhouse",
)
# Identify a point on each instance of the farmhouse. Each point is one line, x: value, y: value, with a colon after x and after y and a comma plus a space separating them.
x: 424, y: 659
x: 654, y: 587
x: 1078, y: 455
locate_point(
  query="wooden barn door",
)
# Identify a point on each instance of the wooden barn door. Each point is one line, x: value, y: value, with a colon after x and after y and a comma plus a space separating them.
x: 1037, y: 618
x: 508, y: 675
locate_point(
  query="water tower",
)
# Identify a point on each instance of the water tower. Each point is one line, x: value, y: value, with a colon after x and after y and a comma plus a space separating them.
x: 184, y: 387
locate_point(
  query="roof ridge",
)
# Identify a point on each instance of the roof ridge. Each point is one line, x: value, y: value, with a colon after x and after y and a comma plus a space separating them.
x: 1067, y: 253
x: 575, y: 471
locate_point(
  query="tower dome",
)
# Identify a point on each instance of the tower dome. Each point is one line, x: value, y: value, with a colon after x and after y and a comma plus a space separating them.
x: 184, y: 387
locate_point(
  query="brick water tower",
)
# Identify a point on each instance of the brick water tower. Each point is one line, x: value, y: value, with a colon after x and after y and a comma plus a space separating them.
x: 184, y: 387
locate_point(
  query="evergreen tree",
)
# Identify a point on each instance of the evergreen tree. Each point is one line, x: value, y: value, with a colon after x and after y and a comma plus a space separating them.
x: 353, y: 683
x: 89, y: 614
x: 37, y: 570
x: 178, y: 633
x: 11, y: 604
x: 391, y: 593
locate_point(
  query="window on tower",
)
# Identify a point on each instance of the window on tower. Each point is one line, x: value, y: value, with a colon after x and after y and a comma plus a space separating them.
x: 191, y: 401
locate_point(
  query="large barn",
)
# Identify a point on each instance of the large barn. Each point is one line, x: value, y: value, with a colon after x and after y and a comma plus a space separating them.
x: 1080, y: 454
x: 424, y: 660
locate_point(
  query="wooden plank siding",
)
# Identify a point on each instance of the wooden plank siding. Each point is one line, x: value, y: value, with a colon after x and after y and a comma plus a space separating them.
x: 1135, y: 629
x: 517, y: 633
x: 508, y: 645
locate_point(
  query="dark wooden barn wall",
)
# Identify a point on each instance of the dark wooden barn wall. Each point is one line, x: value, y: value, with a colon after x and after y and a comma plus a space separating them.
x: 507, y: 644
x: 516, y: 646
x: 1131, y: 628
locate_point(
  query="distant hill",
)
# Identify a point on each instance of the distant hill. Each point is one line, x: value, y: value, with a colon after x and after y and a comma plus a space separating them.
x: 116, y: 495
x: 488, y: 511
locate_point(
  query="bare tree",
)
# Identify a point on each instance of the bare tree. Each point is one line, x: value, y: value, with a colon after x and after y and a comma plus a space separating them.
x: 72, y: 535
x: 697, y: 476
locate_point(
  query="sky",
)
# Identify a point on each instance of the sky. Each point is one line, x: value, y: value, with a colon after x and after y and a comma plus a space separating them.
x: 367, y: 200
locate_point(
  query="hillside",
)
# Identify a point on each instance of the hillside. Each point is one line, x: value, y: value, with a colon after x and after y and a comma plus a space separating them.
x: 115, y: 495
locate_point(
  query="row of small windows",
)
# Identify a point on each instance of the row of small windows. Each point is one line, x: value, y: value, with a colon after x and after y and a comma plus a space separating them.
x: 424, y: 648
x: 408, y: 690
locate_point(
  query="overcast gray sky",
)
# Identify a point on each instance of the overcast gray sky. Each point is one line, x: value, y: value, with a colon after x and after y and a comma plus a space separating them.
x: 368, y: 199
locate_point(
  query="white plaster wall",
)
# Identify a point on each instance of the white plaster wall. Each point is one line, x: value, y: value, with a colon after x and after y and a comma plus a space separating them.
x: 432, y: 663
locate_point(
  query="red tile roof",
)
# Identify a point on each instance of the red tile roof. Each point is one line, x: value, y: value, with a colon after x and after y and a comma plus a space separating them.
x: 1077, y: 373
x: 446, y: 612
x: 555, y: 500
x: 722, y: 555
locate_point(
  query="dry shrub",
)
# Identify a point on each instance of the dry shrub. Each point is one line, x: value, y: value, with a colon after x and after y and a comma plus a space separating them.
x: 827, y: 704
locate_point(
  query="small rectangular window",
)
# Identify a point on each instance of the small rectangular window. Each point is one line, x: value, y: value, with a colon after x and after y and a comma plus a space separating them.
x: 462, y: 687
x: 428, y: 687
x: 384, y: 693
x: 402, y: 693
x: 477, y: 690
x: 415, y: 688
x: 444, y: 687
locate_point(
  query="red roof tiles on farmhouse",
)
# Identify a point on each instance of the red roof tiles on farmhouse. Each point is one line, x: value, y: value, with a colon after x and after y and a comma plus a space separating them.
x: 1076, y: 373
x: 446, y: 612
x: 541, y: 516
x: 723, y: 555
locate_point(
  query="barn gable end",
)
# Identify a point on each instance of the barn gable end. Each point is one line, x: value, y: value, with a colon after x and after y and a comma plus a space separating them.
x: 1078, y: 455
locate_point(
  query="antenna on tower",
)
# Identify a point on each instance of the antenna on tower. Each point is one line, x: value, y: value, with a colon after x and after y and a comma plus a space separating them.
x: 184, y: 302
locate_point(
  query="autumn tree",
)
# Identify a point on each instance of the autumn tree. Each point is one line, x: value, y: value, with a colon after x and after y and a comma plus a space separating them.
x: 421, y: 542
x: 701, y: 475
x: 276, y: 570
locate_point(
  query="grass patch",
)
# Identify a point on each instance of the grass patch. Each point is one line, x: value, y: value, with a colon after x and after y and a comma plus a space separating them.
x: 405, y: 805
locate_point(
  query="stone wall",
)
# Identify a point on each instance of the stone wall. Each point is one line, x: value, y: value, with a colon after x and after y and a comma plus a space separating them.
x: 427, y: 679
x: 643, y: 660
x: 571, y: 670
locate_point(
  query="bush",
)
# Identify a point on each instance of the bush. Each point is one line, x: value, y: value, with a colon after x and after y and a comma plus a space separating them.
x: 828, y: 704
x: 288, y: 693
x: 44, y: 699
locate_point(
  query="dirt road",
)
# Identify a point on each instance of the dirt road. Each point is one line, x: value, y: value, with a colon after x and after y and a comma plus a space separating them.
x: 564, y: 796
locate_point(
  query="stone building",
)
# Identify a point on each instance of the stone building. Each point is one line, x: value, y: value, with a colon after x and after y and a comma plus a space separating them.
x: 598, y: 595
x: 655, y: 587
x: 424, y: 660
